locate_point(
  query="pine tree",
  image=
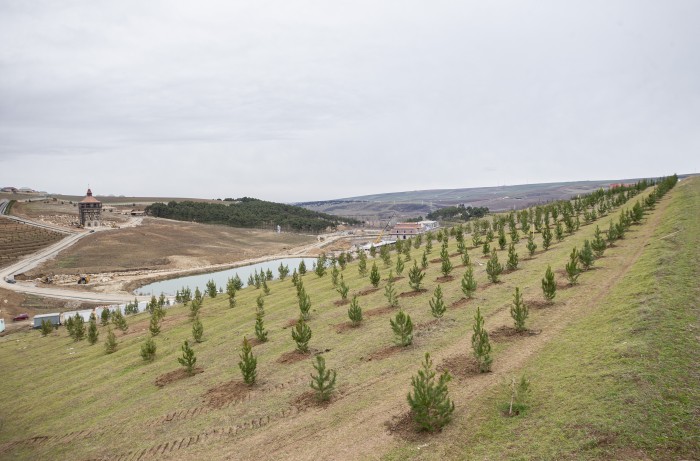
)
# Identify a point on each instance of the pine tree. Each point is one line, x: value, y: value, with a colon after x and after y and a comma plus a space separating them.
x: 429, y: 243
x: 549, y: 285
x: 486, y: 249
x: 502, y: 238
x: 104, y: 317
x: 343, y: 289
x: 148, y: 350
x: 78, y: 328
x: 424, y: 261
x: 559, y: 232
x: 320, y: 268
x: 362, y: 264
x: 47, y: 327
x: 384, y: 254
x: 188, y: 358
x: 400, y: 266
x: 390, y: 291
x: 154, y: 326
x: 493, y: 267
x: 197, y: 329
x: 572, y: 270
x: 119, y: 320
x: 266, y: 289
x: 248, y: 363
x: 415, y: 276
x: 211, y: 289
x: 469, y: 282
x: 283, y: 271
x: 231, y: 292
x: 335, y: 273
x: 480, y: 343
x: 237, y: 283
x: 92, y: 332
x: 512, y: 262
x: 324, y: 380
x: 598, y: 245
x: 260, y: 331
x: 111, y: 343
x: 403, y: 328
x: 546, y: 238
x: 585, y: 256
x: 531, y: 245
x: 374, y: 276
x: 304, y: 305
x: 466, y: 261
x: 355, y: 312
x: 301, y: 334
x: 302, y: 268
x: 612, y: 234
x: 430, y: 404
x: 519, y: 310
x: 437, y: 305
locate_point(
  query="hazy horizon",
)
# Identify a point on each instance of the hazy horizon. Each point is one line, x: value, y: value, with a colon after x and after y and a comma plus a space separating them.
x: 296, y: 101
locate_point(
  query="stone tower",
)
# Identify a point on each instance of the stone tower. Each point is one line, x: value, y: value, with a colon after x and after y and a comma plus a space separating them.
x: 90, y: 210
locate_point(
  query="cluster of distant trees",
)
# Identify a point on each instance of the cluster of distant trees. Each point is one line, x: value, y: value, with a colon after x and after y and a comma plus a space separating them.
x: 459, y: 212
x: 248, y: 212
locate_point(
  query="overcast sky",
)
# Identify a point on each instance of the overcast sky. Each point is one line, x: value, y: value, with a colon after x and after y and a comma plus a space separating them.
x: 308, y: 100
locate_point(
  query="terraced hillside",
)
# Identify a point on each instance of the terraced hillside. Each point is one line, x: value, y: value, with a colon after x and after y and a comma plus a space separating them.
x: 611, y: 362
x: 18, y: 240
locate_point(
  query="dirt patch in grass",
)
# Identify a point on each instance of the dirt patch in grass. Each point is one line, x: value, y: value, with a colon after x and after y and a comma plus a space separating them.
x: 368, y: 291
x: 293, y: 356
x: 175, y: 375
x: 459, y: 366
x: 345, y: 326
x: 341, y: 302
x: 455, y: 254
x: 223, y: 394
x: 506, y: 333
x: 255, y: 342
x: 395, y: 279
x: 385, y: 352
x: 445, y: 278
x: 379, y: 311
x: 403, y: 426
x: 308, y: 400
x: 564, y: 286
x: 436, y: 260
x: 412, y: 293
x: 539, y: 304
x: 460, y: 302
x: 290, y: 323
x: 433, y: 326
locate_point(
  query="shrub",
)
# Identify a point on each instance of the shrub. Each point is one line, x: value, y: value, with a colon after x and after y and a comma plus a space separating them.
x: 437, y: 305
x: 431, y: 407
x: 301, y: 334
x: 154, y: 326
x: 324, y: 380
x: 197, y: 329
x: 355, y: 312
x: 572, y: 270
x: 546, y: 238
x: 390, y: 291
x: 104, y: 317
x: 519, y: 310
x: 148, y: 350
x: 92, y: 333
x: 585, y: 256
x: 248, y: 363
x: 493, y: 267
x: 531, y: 245
x: 188, y: 358
x: 403, y: 328
x: 211, y: 289
x: 415, y: 276
x: 46, y: 327
x: 512, y: 262
x: 111, y: 342
x: 480, y: 343
x: 518, y: 391
x: 469, y: 282
x: 549, y: 285
x: 78, y: 328
x: 343, y: 289
x: 374, y: 276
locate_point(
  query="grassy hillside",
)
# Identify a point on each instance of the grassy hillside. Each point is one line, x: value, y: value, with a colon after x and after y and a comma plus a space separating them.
x: 611, y: 364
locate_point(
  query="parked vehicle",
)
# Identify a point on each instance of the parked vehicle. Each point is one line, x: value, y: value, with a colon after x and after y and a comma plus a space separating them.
x: 9, y: 280
x: 19, y: 317
x: 55, y: 319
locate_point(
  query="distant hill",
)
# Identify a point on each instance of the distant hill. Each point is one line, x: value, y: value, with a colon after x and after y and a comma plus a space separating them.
x: 248, y: 212
x: 411, y: 204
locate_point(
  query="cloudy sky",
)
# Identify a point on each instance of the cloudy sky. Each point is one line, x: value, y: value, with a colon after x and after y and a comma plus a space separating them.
x: 306, y: 100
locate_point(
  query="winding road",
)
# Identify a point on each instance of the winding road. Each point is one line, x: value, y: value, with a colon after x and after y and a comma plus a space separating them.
x: 33, y: 260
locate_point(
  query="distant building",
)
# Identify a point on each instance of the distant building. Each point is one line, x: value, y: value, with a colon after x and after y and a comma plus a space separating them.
x: 406, y: 230
x: 9, y: 189
x: 90, y: 211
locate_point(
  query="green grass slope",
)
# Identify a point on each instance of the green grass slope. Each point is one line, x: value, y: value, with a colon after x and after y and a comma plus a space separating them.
x: 601, y: 385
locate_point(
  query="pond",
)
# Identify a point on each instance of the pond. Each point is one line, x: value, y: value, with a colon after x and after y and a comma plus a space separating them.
x: 171, y: 286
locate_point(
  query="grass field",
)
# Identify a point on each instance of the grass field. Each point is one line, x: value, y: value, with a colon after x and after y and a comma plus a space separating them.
x: 18, y: 240
x: 613, y: 365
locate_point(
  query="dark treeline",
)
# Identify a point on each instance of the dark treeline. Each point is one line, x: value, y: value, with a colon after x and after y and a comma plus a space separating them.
x: 459, y: 212
x: 248, y: 212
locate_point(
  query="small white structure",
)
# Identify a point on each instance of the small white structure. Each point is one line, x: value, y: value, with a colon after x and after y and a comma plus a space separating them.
x: 2, y: 325
x: 55, y: 319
